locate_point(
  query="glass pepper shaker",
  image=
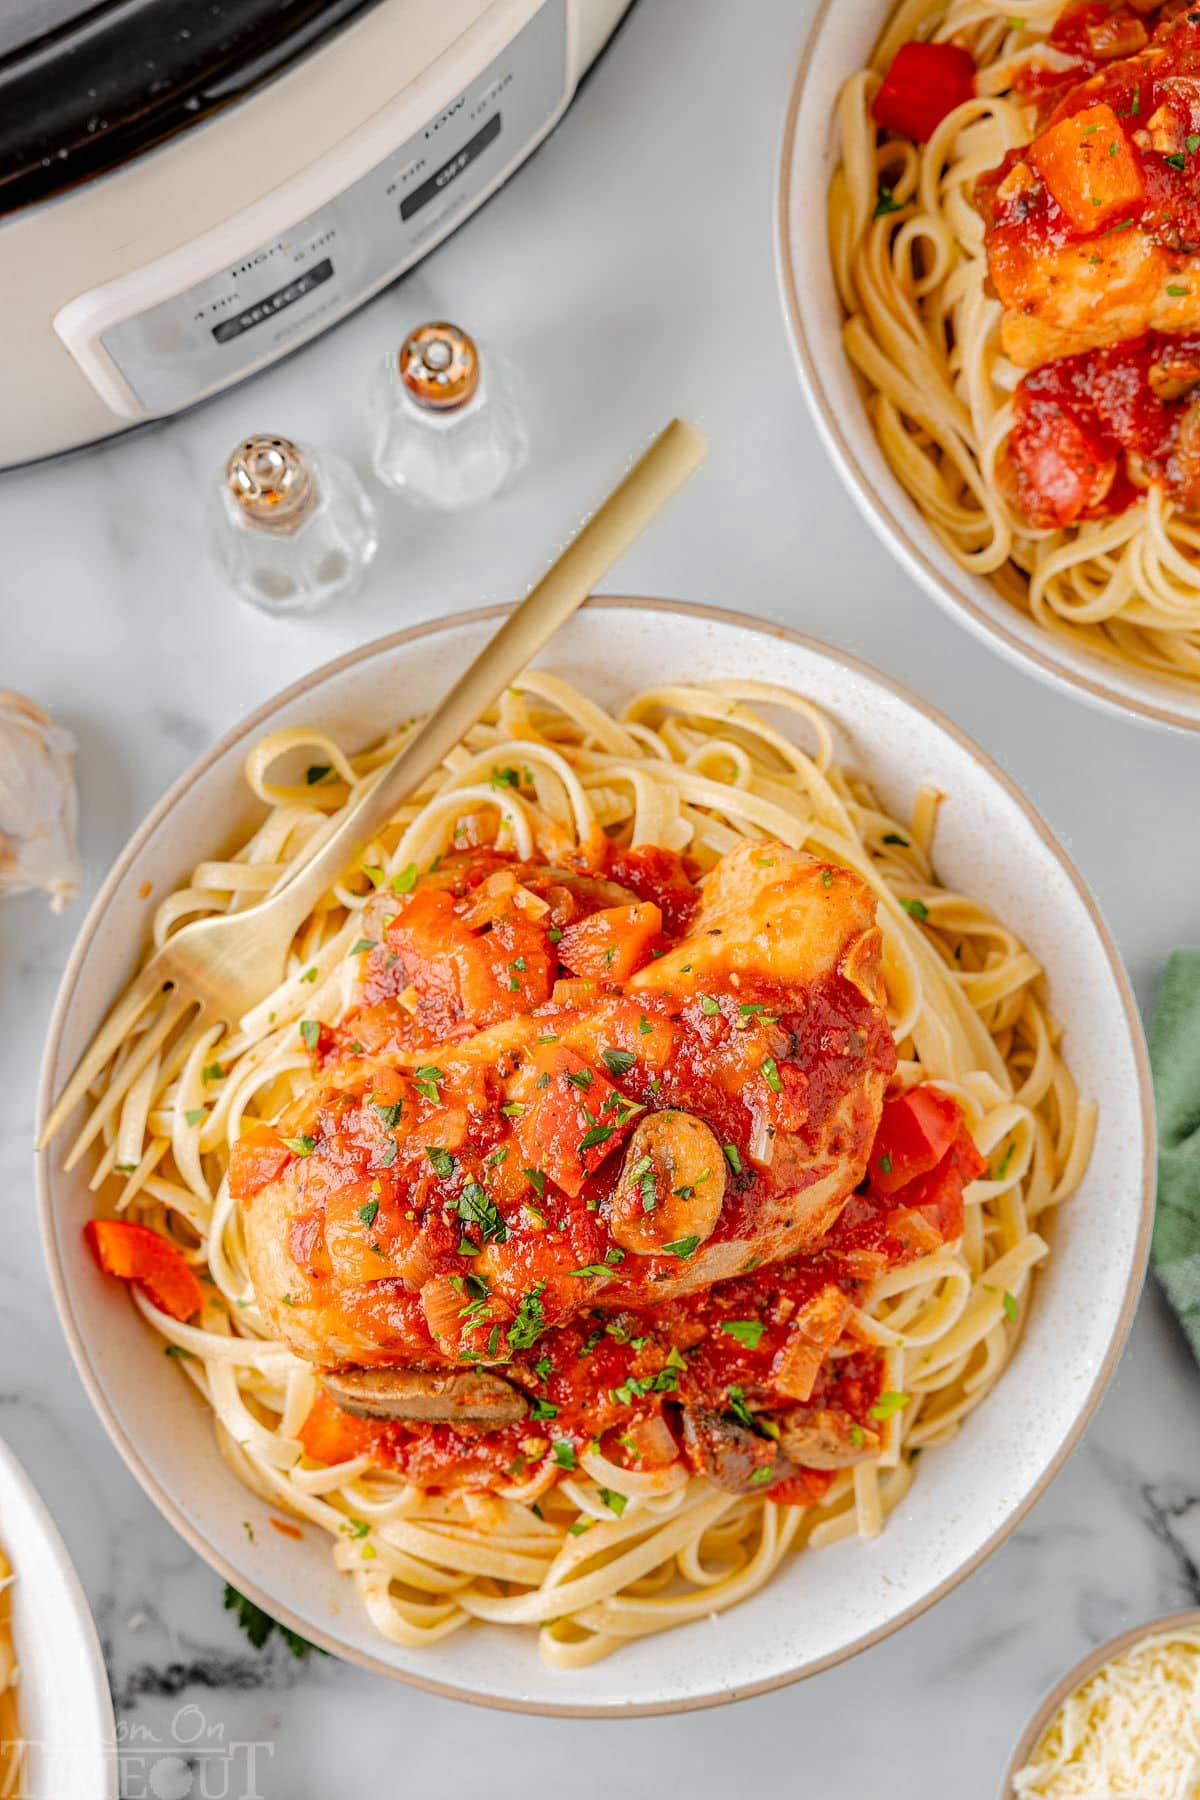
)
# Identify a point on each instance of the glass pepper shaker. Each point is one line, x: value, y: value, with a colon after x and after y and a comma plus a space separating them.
x: 447, y: 429
x: 291, y: 527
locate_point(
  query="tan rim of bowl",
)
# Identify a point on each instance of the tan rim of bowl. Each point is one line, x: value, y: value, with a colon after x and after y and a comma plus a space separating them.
x: 255, y: 723
x: 1083, y: 1671
x: 958, y: 597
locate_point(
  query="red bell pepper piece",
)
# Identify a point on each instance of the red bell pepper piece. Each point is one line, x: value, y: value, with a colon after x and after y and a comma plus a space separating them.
x: 915, y: 1132
x: 923, y: 84
x: 258, y: 1156
x: 136, y: 1253
x: 938, y: 1195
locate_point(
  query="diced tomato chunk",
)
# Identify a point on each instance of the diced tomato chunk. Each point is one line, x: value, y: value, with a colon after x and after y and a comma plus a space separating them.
x: 805, y: 1488
x: 937, y: 1196
x: 259, y: 1155
x: 915, y: 1132
x: 1063, y: 470
x: 136, y: 1253
x: 612, y: 944
x: 573, y: 1122
x: 659, y: 875
x: 1090, y: 167
x: 329, y: 1435
x: 466, y: 976
x: 924, y: 83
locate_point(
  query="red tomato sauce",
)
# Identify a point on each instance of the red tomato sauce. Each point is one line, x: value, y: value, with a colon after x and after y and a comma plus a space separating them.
x: 601, y: 1380
x: 1093, y: 431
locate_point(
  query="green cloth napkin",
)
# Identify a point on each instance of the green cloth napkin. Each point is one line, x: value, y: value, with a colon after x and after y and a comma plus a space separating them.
x: 1175, y: 1064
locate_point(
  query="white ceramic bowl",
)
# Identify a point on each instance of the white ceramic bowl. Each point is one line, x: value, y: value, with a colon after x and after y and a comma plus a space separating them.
x: 66, y: 1714
x: 1075, y: 1678
x: 842, y: 39
x: 824, y: 1605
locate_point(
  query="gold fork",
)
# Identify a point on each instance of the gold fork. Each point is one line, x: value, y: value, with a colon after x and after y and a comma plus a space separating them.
x: 221, y: 967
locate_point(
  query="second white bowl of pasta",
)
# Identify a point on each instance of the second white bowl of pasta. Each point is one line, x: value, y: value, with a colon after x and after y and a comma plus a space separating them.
x: 916, y: 343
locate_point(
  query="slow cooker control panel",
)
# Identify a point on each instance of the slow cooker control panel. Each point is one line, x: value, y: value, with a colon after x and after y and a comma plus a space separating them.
x: 278, y: 292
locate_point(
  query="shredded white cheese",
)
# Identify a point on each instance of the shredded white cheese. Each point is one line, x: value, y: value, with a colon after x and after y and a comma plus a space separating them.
x: 1131, y: 1732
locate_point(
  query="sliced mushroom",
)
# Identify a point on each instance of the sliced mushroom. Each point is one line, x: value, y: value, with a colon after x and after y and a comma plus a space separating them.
x: 823, y: 1438
x: 451, y: 1397
x: 671, y: 1184
x: 730, y: 1455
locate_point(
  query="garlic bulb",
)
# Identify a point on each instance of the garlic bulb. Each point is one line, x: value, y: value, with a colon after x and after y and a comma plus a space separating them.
x: 37, y: 803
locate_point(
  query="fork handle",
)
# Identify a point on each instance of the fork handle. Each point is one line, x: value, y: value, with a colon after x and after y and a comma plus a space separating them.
x: 673, y: 456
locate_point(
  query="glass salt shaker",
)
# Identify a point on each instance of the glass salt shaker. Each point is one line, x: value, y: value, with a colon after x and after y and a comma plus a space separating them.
x: 291, y: 527
x: 447, y: 429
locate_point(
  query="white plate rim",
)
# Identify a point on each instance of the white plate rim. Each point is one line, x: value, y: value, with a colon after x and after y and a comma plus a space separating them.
x: 102, y: 1738
x: 893, y: 530
x: 237, y: 1577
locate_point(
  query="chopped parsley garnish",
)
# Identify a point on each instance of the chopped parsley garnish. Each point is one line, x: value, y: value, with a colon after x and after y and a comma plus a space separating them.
x: 589, y: 1269
x: 618, y: 1062
x: 476, y: 1207
x: 357, y: 1528
x: 885, y: 1164
x: 541, y: 1409
x: 387, y: 1155
x: 1011, y: 1308
x: 309, y: 975
x: 736, y: 1397
x: 537, y: 1181
x: 310, y: 1031
x: 214, y: 1072
x: 746, y: 1331
x: 405, y: 881
x: 318, y: 772
x: 599, y: 1134
x: 389, y: 1115
x: 616, y: 1503
x: 732, y: 1157
x: 644, y: 1025
x: 426, y: 1081
x: 178, y: 1351
x: 885, y: 202
x: 564, y: 1453
x: 888, y: 1405
x: 1002, y: 1167
x: 916, y: 909
x: 581, y: 1078
x: 1176, y: 291
x: 442, y: 1161
x: 301, y: 1146
x: 195, y: 1116
x: 857, y: 1436
x: 363, y: 945
x: 530, y: 1320
x: 709, y: 1006
x: 682, y: 1247
x: 771, y: 1074
x: 369, y: 1213
x: 893, y: 837
x: 554, y: 933
x: 827, y: 878
x: 761, y: 1474
x: 373, y: 873
x: 505, y: 778
x: 259, y: 1625
x: 1178, y: 161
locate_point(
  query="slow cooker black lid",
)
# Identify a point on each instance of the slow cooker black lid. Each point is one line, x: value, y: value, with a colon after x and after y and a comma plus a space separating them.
x: 85, y: 85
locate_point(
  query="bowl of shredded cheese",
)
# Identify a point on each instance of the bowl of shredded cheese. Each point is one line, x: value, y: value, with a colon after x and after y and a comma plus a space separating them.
x: 1123, y: 1724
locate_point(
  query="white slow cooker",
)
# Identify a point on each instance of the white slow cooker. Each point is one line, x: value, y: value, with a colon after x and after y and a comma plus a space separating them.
x: 191, y: 188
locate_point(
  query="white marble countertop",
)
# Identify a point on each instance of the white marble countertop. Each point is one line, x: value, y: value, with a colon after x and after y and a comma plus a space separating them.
x: 629, y: 271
